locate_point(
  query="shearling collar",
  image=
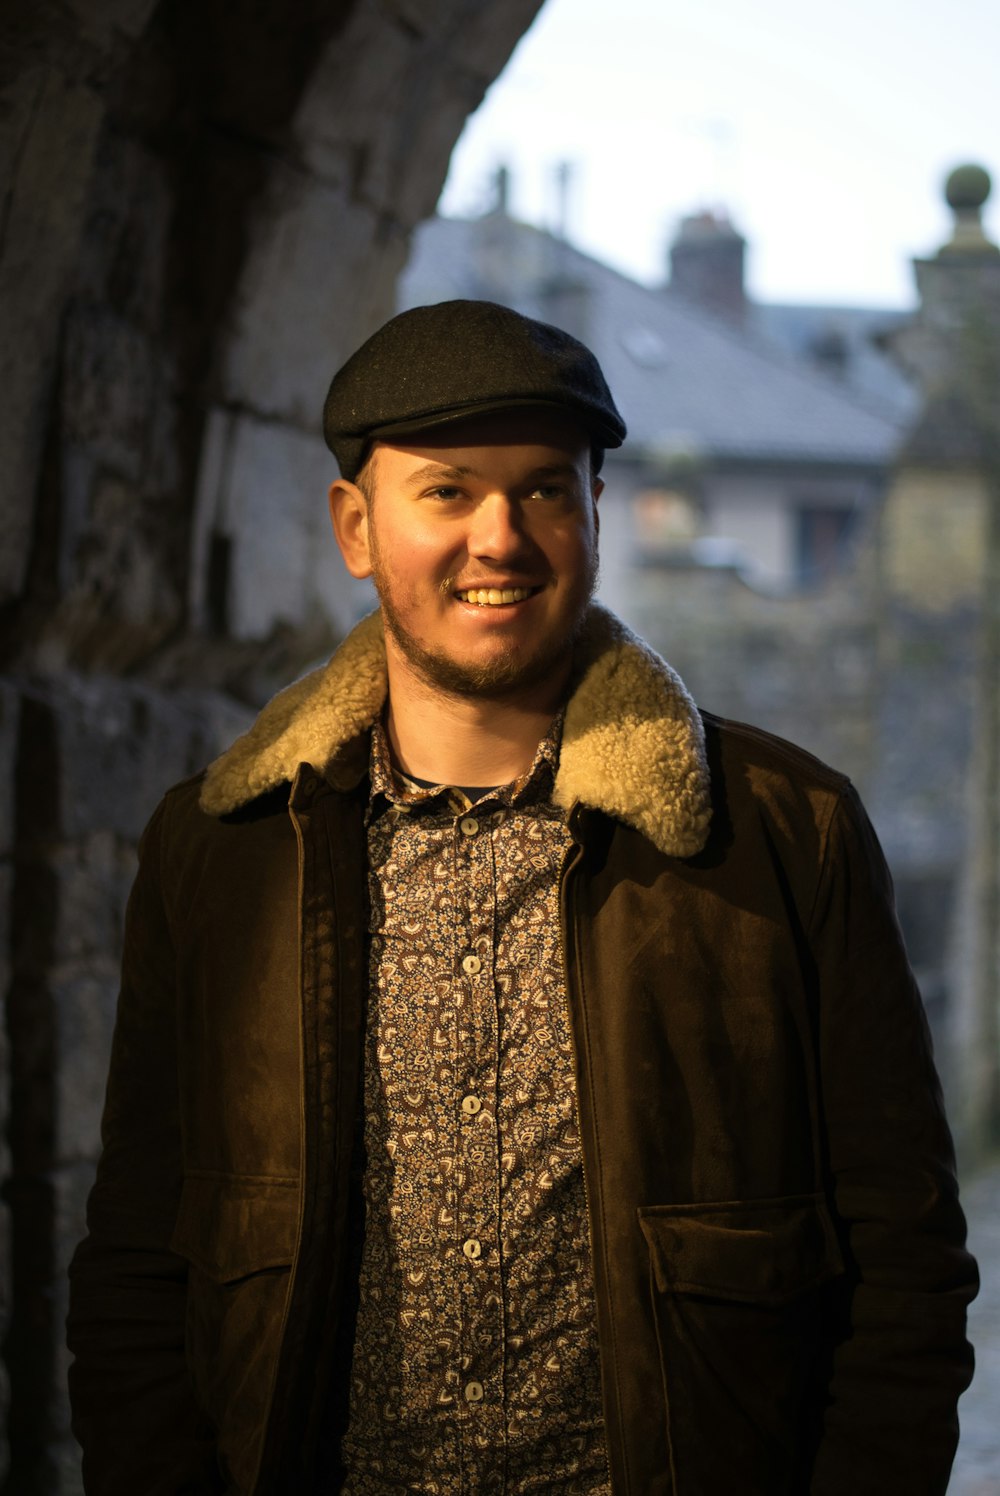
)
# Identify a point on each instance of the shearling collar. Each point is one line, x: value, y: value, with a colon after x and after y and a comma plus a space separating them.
x: 632, y: 746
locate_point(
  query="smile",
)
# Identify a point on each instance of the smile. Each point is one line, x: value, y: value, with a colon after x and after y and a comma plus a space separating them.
x: 494, y: 597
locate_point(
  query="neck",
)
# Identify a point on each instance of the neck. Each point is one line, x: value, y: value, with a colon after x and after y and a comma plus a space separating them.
x: 451, y: 739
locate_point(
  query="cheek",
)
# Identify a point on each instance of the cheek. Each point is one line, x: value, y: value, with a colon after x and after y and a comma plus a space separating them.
x: 416, y: 561
x: 574, y: 546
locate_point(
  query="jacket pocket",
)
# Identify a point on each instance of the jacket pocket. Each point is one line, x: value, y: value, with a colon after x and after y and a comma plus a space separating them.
x: 231, y: 1226
x: 741, y: 1294
x: 238, y: 1236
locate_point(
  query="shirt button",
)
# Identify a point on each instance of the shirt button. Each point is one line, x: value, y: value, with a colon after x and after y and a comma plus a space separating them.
x: 473, y: 1392
x: 471, y: 1105
x: 471, y: 965
x: 468, y: 825
x: 473, y: 1249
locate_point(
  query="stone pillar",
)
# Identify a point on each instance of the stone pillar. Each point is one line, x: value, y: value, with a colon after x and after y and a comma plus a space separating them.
x: 9, y: 706
x: 942, y: 547
x: 91, y: 761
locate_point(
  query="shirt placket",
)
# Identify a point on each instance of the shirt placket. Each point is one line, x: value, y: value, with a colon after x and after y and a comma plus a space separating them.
x: 478, y: 1217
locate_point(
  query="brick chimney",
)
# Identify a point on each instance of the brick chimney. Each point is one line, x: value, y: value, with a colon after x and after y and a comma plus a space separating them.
x: 706, y: 264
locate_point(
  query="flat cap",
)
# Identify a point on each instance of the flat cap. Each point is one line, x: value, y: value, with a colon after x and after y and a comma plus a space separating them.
x: 435, y: 364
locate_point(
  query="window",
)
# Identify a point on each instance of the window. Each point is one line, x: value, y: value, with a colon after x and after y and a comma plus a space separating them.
x: 823, y: 536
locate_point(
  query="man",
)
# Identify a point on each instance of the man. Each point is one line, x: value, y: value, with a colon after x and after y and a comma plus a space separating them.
x: 518, y: 1083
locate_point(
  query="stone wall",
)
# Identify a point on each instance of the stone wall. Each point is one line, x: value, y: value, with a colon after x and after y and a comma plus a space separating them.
x: 885, y: 692
x: 205, y: 208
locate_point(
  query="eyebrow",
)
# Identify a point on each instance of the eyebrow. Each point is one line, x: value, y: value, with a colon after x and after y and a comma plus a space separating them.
x: 438, y: 471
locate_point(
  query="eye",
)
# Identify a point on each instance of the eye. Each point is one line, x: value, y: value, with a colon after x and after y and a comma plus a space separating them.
x: 446, y: 491
x: 548, y: 491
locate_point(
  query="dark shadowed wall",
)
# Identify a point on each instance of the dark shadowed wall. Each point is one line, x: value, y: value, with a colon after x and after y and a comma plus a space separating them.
x: 204, y: 210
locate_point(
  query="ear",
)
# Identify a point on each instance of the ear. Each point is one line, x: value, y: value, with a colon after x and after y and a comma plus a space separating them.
x: 349, y: 517
x: 596, y: 489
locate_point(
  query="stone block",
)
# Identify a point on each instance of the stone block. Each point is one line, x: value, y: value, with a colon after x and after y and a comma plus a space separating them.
x: 269, y: 500
x: 71, y: 1188
x: 486, y: 35
x: 10, y: 705
x: 71, y: 1185
x: 84, y: 1015
x: 100, y: 752
x: 300, y: 309
x: 126, y: 233
x: 67, y: 1468
x: 423, y: 17
x: 108, y: 384
x: 111, y: 22
x: 116, y: 562
x: 934, y: 536
x: 50, y: 126
x: 6, y: 882
x: 402, y: 109
x: 426, y: 134
x: 5, y: 1285
x: 77, y: 891
x: 5, y: 1290
x: 4, y: 1413
x: 366, y: 70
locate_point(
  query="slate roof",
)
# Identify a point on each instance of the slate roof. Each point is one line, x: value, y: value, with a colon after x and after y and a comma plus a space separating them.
x: 682, y: 378
x: 849, y: 334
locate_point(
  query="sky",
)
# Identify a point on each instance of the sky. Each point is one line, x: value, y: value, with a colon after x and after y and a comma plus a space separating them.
x: 825, y: 131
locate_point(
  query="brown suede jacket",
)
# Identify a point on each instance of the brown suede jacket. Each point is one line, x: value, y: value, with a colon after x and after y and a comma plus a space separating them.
x: 778, y: 1246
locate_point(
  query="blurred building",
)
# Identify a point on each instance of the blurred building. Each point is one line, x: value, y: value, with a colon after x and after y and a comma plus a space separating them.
x: 759, y: 437
x: 804, y: 520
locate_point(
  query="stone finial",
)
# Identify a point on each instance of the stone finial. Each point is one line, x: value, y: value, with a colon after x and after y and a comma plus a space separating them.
x: 966, y: 190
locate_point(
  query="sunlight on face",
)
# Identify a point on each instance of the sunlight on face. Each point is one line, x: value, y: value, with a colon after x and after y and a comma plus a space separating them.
x: 483, y: 548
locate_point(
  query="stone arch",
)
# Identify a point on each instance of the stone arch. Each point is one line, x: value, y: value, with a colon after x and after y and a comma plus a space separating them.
x: 204, y: 208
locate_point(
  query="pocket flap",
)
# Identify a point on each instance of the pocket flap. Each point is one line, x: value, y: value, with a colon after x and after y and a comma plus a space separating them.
x: 230, y: 1227
x: 755, y: 1251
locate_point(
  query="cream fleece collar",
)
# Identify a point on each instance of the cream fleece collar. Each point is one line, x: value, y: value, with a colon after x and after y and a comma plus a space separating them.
x: 633, y: 744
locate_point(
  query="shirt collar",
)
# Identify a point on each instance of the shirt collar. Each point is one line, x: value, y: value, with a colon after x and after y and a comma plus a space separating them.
x: 389, y: 786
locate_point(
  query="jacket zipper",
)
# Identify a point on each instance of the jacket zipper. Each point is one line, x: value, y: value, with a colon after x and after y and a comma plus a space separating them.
x: 567, y: 881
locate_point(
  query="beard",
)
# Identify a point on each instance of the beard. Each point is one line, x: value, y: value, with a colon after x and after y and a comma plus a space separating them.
x: 509, y: 671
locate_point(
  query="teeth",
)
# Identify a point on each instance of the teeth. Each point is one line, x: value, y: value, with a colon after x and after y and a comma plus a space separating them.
x: 492, y: 597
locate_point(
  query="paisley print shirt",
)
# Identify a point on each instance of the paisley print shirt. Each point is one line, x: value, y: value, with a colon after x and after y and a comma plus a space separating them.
x: 475, y: 1362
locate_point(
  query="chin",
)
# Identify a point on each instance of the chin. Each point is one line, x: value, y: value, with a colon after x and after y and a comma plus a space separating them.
x: 505, y: 671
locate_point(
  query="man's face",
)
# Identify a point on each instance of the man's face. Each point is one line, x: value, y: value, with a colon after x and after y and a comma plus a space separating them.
x: 482, y: 542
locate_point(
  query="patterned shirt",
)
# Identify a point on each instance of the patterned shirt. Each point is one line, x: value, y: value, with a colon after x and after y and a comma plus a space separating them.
x: 475, y: 1364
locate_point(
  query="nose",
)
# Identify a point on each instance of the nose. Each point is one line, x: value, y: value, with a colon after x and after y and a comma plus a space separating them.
x: 497, y: 531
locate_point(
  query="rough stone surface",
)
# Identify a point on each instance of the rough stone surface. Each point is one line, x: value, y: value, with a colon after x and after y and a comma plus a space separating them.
x: 754, y: 657
x: 102, y: 752
x: 265, y: 500
x: 104, y: 24
x: 94, y: 756
x: 934, y: 537
x: 8, y: 746
x: 9, y: 712
x: 885, y: 693
x: 298, y: 314
x: 85, y: 1013
x: 976, y: 1470
x: 50, y: 125
x: 194, y: 230
x: 359, y: 182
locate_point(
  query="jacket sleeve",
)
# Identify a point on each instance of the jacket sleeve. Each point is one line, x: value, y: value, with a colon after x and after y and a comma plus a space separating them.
x: 900, y: 1355
x: 134, y: 1410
